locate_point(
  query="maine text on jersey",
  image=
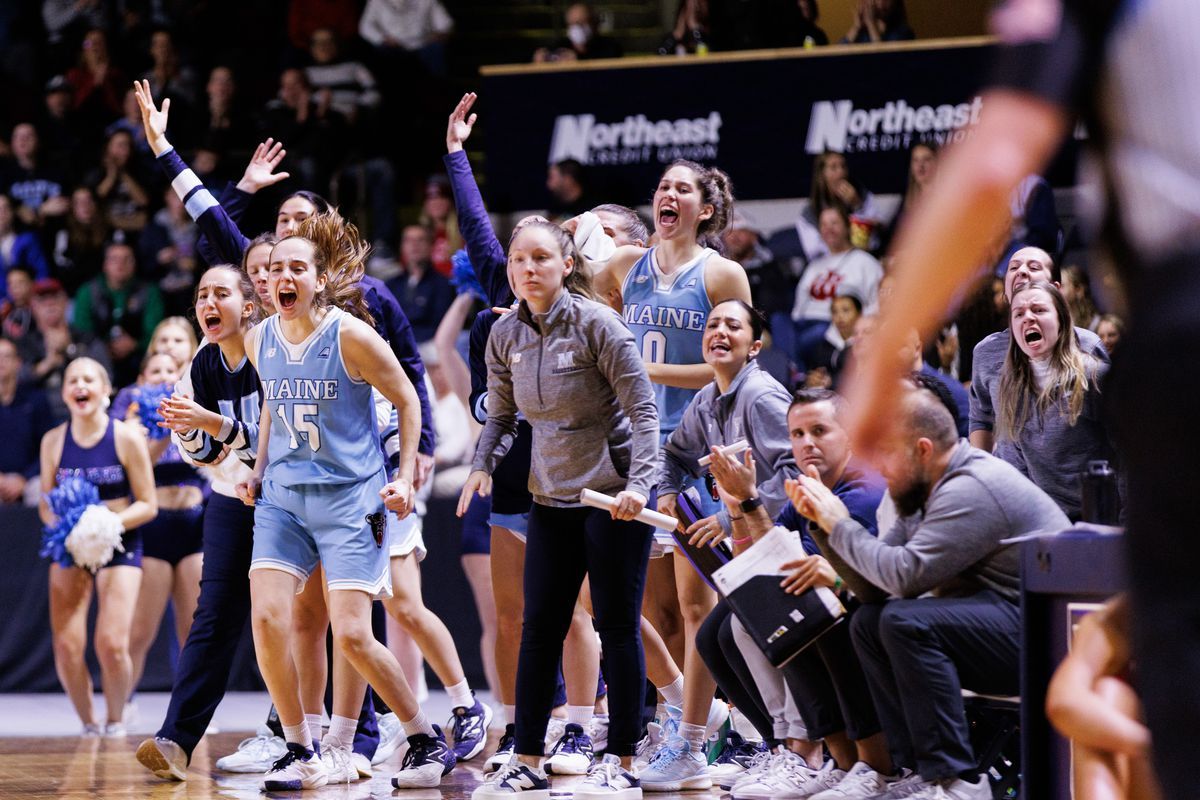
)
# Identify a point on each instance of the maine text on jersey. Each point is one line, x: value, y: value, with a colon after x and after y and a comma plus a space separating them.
x: 301, y: 389
x: 688, y: 319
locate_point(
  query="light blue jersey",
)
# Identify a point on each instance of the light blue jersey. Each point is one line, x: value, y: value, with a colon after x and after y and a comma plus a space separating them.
x: 323, y: 427
x: 666, y: 313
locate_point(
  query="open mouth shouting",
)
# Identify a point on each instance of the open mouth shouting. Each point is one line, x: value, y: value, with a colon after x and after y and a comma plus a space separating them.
x: 212, y: 324
x: 80, y: 398
x: 668, y: 218
x: 287, y: 299
x: 719, y: 347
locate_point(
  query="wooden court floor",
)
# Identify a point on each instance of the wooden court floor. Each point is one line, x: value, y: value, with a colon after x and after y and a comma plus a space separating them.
x: 75, y: 768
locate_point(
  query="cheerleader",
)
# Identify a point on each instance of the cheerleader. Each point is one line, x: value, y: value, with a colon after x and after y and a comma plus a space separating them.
x: 214, y: 415
x: 172, y: 542
x: 112, y: 456
x: 572, y: 368
x: 667, y: 292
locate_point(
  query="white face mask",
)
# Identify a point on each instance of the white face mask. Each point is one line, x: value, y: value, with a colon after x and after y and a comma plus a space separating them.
x: 579, y: 34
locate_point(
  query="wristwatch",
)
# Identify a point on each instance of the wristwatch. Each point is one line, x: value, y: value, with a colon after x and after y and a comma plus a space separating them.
x: 750, y: 504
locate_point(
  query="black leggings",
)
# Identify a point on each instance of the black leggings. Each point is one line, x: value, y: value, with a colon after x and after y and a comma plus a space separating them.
x: 563, y: 545
x: 715, y: 643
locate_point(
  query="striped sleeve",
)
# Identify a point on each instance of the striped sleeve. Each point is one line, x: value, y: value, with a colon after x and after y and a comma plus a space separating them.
x: 225, y: 241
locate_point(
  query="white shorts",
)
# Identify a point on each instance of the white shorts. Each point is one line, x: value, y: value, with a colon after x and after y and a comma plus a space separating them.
x: 406, y: 536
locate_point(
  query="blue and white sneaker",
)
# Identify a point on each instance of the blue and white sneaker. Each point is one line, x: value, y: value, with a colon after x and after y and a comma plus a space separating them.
x: 734, y: 758
x: 498, y: 759
x: 607, y: 780
x: 515, y: 780
x: 300, y: 768
x: 648, y: 746
x: 468, y: 730
x: 675, y: 768
x: 572, y: 753
x: 428, y: 759
x: 391, y: 734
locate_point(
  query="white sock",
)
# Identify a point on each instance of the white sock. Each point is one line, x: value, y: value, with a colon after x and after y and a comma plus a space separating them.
x: 460, y: 695
x: 580, y: 715
x: 694, y: 735
x: 314, y: 730
x: 341, y: 731
x: 673, y: 692
x: 418, y: 724
x: 510, y: 714
x: 298, y: 734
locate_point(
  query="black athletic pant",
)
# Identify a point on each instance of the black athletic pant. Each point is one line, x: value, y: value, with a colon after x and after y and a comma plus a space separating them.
x: 715, y: 643
x: 1154, y: 386
x: 563, y: 545
x: 918, y: 655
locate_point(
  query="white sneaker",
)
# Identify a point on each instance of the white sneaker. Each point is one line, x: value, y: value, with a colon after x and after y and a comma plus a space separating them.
x: 299, y: 768
x: 513, y: 780
x: 676, y: 768
x: 391, y: 736
x: 336, y: 760
x: 648, y: 746
x: 817, y: 781
x: 91, y: 731
x: 718, y: 714
x: 760, y: 766
x: 362, y: 765
x: 607, y: 780
x: 164, y: 758
x: 598, y: 732
x: 955, y: 789
x: 908, y: 784
x: 571, y: 754
x: 255, y: 754
x: 787, y: 772
x: 114, y: 730
x: 860, y: 783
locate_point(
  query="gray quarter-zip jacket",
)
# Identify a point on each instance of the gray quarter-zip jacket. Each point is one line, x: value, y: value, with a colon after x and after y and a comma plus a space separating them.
x: 755, y: 409
x: 577, y: 376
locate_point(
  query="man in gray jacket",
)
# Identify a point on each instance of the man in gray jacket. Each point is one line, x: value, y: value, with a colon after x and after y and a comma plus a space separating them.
x: 953, y: 618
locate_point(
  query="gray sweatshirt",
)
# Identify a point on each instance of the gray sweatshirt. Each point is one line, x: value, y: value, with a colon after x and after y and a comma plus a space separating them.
x: 577, y: 376
x: 952, y: 548
x: 755, y: 409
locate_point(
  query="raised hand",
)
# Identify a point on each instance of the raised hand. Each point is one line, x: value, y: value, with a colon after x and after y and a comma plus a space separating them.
x: 260, y: 172
x: 458, y: 129
x: 154, y: 119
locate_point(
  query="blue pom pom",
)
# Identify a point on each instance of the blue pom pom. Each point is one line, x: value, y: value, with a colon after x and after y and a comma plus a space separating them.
x: 463, y: 278
x: 68, y: 501
x: 148, y: 399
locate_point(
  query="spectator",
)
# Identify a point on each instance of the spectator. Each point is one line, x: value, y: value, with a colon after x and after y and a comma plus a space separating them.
x: 691, y: 32
x: 63, y: 16
x: 829, y: 354
x: 831, y: 185
x: 221, y: 124
x: 349, y: 85
x: 770, y: 287
x: 119, y: 187
x: 1110, y: 330
x: 79, y: 244
x: 131, y: 122
x: 440, y: 219
x: 803, y: 30
x: 417, y: 28
x: 98, y: 84
x: 565, y: 180
x: 24, y: 417
x: 1034, y: 218
x: 1027, y: 265
x: 119, y: 309
x: 16, y: 313
x: 1048, y: 419
x: 17, y: 247
x: 52, y: 344
x: 37, y: 189
x: 582, y: 42
x: 844, y: 270
x: 922, y: 169
x: 1077, y: 291
x: 879, y: 21
x: 314, y: 132
x: 307, y: 17
x: 60, y: 126
x: 422, y: 292
x: 168, y: 77
x: 169, y: 257
x: 953, y: 620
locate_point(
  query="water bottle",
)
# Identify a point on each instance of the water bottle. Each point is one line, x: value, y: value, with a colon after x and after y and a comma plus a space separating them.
x: 1101, y: 501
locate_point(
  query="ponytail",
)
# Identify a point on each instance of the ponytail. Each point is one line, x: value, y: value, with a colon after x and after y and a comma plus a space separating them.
x: 341, y: 256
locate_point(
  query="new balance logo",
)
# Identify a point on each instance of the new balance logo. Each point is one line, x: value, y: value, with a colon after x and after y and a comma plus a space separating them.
x: 641, y: 279
x: 566, y: 360
x: 690, y: 284
x: 271, y: 353
x: 324, y: 352
x: 516, y: 359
